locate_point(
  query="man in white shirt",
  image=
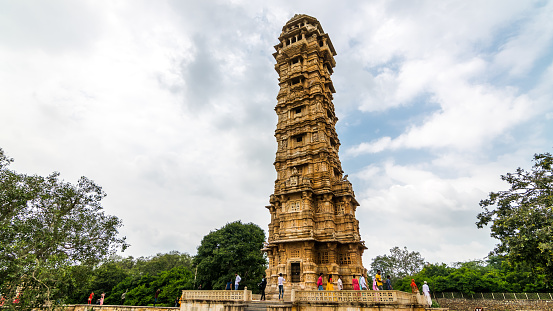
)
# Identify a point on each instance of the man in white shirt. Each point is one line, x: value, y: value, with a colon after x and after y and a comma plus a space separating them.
x: 340, y: 285
x: 426, y: 292
x: 363, y: 283
x: 237, y: 281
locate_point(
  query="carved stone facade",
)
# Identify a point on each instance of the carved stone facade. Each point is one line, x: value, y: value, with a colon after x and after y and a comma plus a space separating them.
x: 313, y: 227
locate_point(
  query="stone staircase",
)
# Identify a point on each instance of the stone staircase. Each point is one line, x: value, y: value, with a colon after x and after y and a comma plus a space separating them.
x: 262, y: 305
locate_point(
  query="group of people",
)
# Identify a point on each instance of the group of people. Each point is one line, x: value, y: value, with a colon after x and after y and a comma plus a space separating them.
x: 425, y: 290
x: 237, y: 280
x: 378, y: 283
x: 358, y: 284
x: 100, y: 300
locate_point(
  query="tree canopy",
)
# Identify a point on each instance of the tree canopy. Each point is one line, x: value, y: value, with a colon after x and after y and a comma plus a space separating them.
x: 399, y: 263
x: 235, y: 248
x: 48, y: 226
x: 521, y: 218
x: 495, y: 274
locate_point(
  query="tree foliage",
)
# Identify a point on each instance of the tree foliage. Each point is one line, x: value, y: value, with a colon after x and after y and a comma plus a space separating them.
x: 139, y: 278
x: 399, y: 263
x: 235, y: 248
x: 521, y: 217
x: 48, y: 226
x: 493, y: 275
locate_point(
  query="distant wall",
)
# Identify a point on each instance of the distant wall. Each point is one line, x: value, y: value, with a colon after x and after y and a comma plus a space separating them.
x: 115, y: 308
x: 212, y: 306
x: 459, y: 304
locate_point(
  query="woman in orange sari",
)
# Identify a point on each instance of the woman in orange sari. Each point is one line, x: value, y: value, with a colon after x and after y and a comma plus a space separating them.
x: 414, y: 287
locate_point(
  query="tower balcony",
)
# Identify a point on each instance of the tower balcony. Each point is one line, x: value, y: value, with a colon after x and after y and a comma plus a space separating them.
x: 342, y: 186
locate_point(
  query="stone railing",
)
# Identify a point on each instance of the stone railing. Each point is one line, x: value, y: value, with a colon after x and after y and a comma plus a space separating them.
x: 384, y: 297
x: 217, y: 295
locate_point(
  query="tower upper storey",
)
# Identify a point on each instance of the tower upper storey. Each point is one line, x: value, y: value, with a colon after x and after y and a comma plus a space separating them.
x: 300, y: 27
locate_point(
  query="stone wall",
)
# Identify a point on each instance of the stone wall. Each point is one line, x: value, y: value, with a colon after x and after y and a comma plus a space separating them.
x: 495, y: 305
x: 212, y: 306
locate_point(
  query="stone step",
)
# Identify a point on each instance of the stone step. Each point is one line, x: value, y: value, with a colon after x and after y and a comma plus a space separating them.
x: 262, y: 305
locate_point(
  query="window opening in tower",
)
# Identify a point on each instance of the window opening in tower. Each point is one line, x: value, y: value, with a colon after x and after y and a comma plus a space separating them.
x: 296, y: 81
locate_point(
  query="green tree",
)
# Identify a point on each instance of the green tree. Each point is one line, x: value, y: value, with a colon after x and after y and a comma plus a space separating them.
x: 48, y: 227
x: 399, y: 263
x: 235, y: 248
x: 493, y: 275
x: 162, y: 262
x: 140, y: 291
x: 521, y: 218
x: 171, y: 272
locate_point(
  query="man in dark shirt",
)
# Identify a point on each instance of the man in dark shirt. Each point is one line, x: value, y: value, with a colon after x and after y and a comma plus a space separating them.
x: 388, y: 283
x: 262, y: 287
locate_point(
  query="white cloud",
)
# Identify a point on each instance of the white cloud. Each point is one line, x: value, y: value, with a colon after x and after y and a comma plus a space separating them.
x: 169, y: 106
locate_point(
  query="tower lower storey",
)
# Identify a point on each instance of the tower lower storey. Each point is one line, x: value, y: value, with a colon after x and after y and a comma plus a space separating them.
x: 301, y: 262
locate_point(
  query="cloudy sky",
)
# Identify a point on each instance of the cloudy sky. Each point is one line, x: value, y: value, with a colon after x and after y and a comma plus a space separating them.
x: 168, y: 105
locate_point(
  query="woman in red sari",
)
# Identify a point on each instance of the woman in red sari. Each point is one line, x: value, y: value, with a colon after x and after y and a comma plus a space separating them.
x: 355, y: 283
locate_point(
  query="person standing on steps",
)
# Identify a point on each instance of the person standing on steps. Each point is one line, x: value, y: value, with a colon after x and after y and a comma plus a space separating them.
x: 280, y: 287
x: 262, y: 287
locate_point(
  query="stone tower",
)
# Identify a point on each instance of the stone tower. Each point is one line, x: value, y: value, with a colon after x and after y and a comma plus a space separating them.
x: 313, y: 227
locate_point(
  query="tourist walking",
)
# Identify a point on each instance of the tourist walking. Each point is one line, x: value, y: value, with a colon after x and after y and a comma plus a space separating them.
x: 229, y: 285
x: 262, y: 287
x: 90, y: 298
x: 388, y: 283
x: 102, y: 299
x: 237, y: 281
x: 329, y: 284
x: 280, y: 287
x: 378, y: 278
x: 320, y: 282
x: 426, y: 292
x: 355, y: 283
x: 362, y: 282
x: 339, y: 283
x: 375, y: 287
